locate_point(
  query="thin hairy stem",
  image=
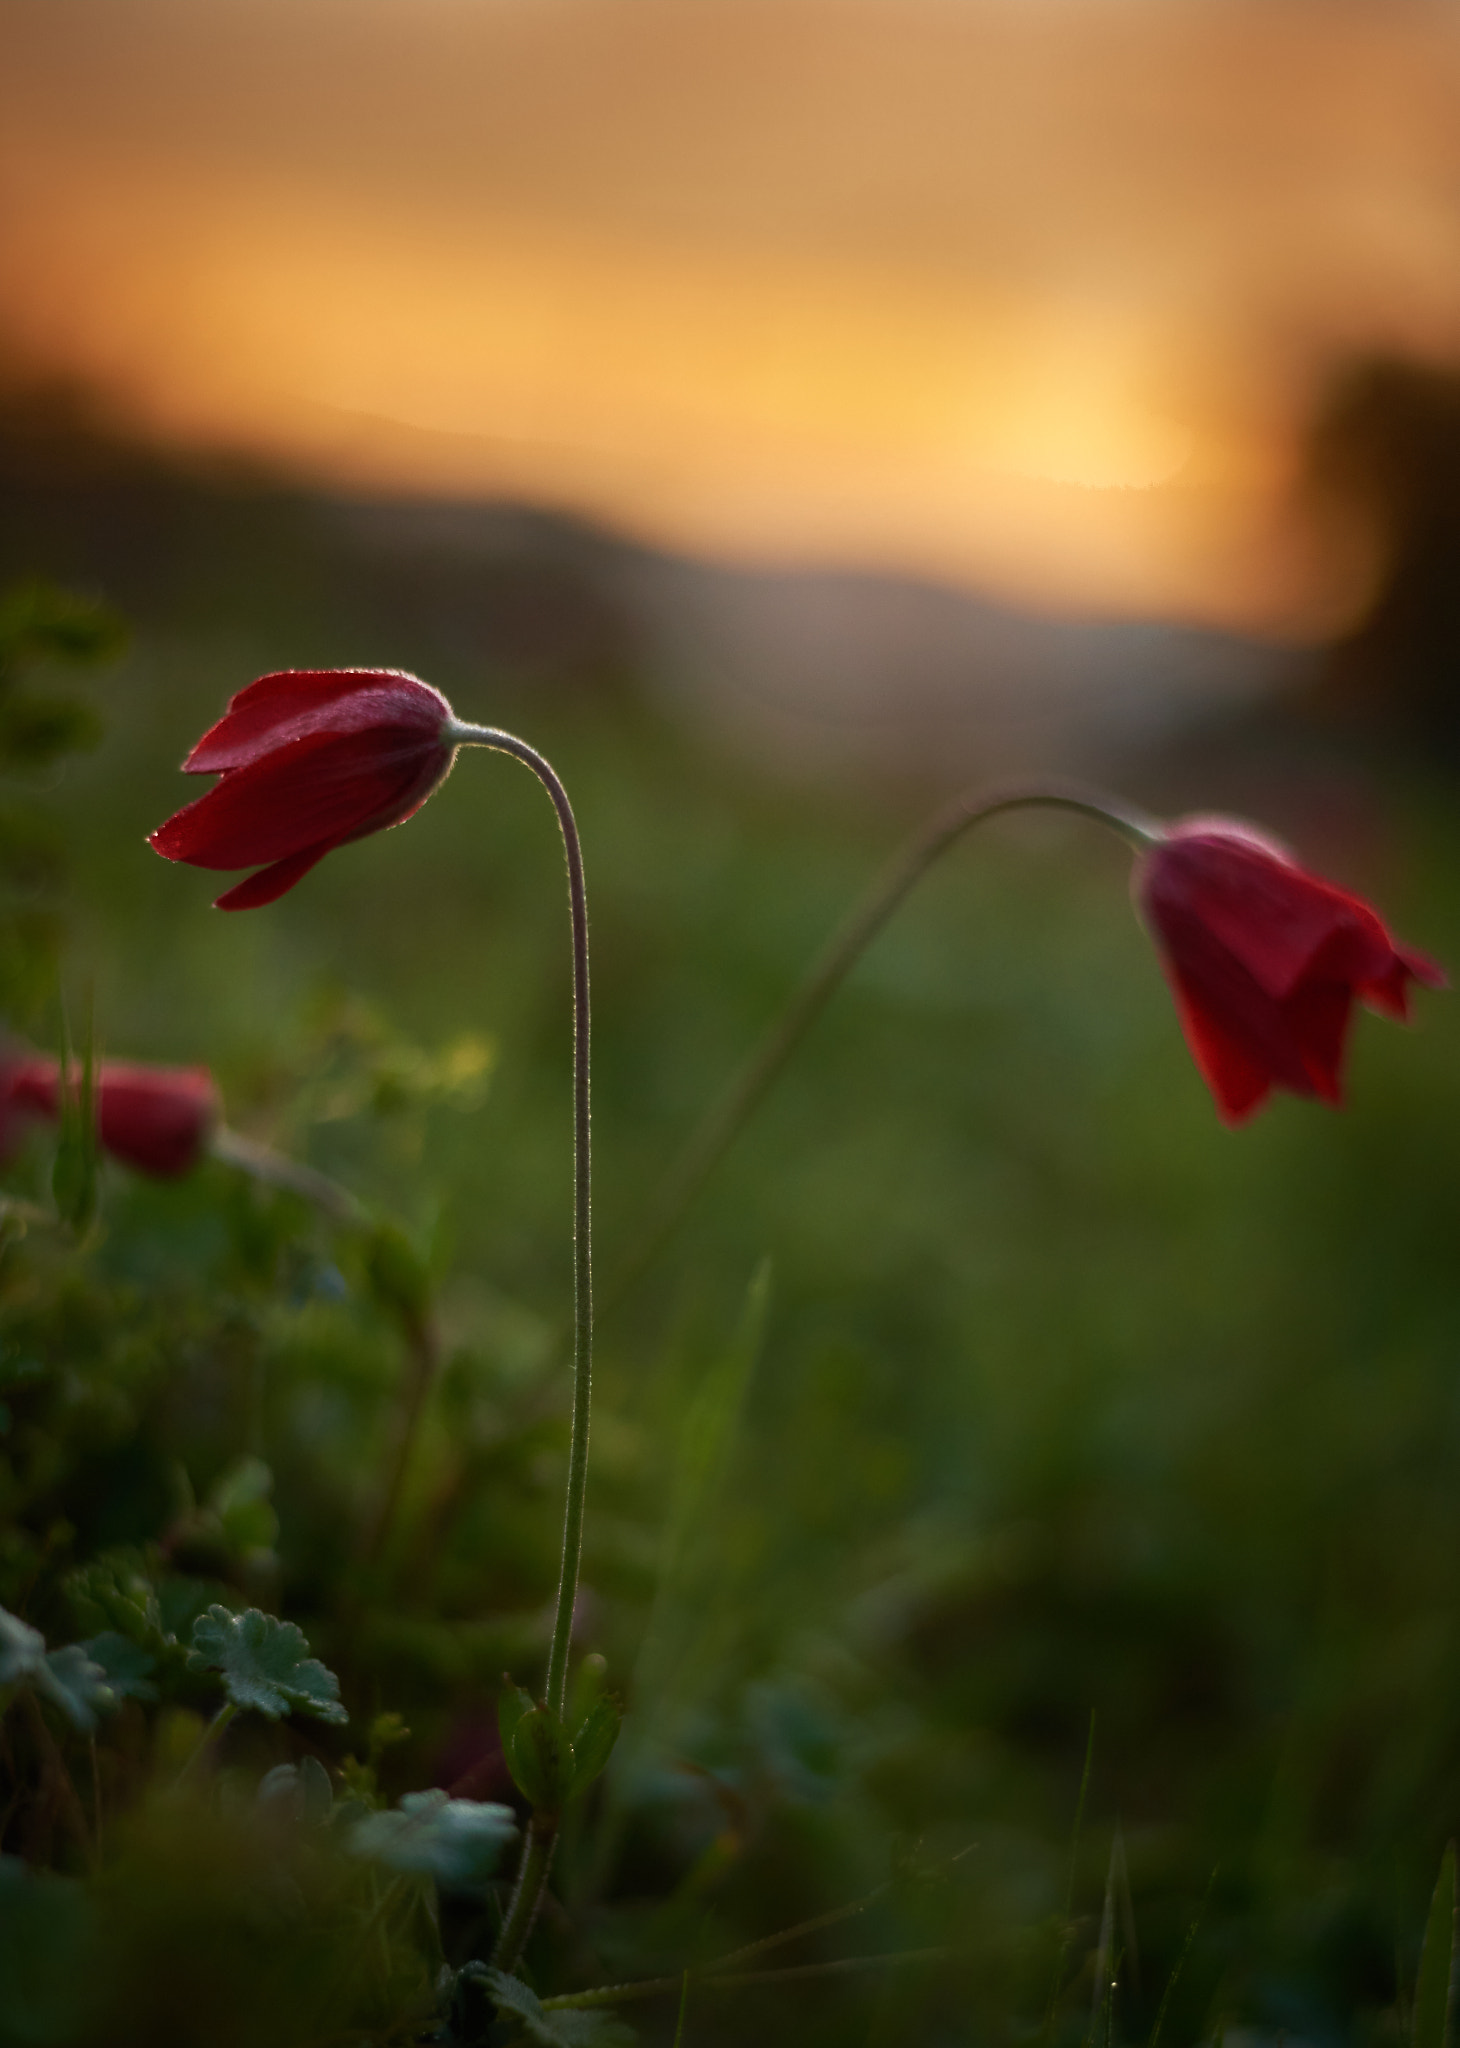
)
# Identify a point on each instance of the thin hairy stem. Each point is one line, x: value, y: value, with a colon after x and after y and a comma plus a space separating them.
x: 657, y: 1987
x: 538, y: 1847
x: 724, y: 1122
x: 526, y: 1901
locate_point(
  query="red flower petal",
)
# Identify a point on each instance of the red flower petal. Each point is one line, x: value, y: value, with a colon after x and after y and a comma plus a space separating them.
x: 1317, y: 1015
x: 317, y: 791
x: 270, y: 883
x: 1266, y: 961
x: 298, y: 703
x: 1238, y: 1083
x: 1262, y: 908
x: 155, y: 1118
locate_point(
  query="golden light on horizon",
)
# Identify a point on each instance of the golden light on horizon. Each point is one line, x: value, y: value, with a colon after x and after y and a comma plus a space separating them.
x: 1029, y: 299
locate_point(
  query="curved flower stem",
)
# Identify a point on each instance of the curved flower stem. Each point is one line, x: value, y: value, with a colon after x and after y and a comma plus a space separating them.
x: 276, y: 1170
x: 538, y: 1844
x: 723, y: 1124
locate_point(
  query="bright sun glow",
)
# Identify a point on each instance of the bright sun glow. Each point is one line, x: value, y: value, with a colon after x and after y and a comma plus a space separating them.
x: 991, y: 294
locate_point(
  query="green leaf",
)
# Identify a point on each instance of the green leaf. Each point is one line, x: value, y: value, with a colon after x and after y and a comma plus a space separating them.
x: 512, y: 1703
x: 1435, y: 1991
x: 127, y: 1666
x: 113, y: 1594
x: 240, y: 1500
x: 459, y: 1842
x: 301, y: 1791
x: 22, y: 1649
x: 77, y: 1685
x: 540, y: 1758
x: 68, y: 1678
x: 265, y: 1664
x: 593, y: 1743
x: 554, y: 2029
x: 397, y: 1276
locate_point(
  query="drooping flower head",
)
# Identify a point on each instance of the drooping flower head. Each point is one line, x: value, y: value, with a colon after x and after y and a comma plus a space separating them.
x: 158, y: 1119
x: 308, y: 759
x: 1265, y: 961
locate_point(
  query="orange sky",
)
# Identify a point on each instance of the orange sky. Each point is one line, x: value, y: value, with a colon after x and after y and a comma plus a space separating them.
x: 1024, y: 293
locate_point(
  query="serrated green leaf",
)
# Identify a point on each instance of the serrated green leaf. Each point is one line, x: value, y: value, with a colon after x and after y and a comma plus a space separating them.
x: 113, y: 1595
x: 593, y: 1743
x: 540, y: 1758
x: 127, y: 1666
x: 555, y: 2029
x: 22, y: 1648
x: 459, y: 1842
x: 71, y: 1681
x: 1434, y: 1992
x: 68, y: 1678
x: 265, y: 1664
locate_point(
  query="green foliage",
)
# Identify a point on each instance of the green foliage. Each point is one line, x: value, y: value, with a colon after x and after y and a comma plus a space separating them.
x: 548, y: 1765
x: 73, y: 1176
x: 265, y: 1664
x: 459, y: 1842
x: 540, y: 1758
x: 46, y: 1925
x: 1064, y: 1398
x: 514, y: 1999
x: 69, y: 1678
x: 593, y: 1742
x: 41, y: 627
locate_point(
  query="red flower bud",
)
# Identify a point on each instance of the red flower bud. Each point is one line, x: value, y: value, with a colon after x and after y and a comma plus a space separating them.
x: 1265, y: 961
x: 158, y: 1119
x: 308, y: 759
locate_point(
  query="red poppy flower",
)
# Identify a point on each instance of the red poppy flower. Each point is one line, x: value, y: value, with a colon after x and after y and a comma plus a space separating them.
x: 1265, y: 961
x: 158, y: 1119
x: 307, y: 760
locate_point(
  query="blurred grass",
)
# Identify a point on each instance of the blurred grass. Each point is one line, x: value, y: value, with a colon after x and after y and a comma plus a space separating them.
x: 1067, y: 1399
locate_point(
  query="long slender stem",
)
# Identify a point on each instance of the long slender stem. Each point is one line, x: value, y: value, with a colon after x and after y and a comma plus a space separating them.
x: 538, y: 1846
x: 724, y: 1122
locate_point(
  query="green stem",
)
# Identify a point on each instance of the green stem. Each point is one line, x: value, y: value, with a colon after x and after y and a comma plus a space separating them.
x: 532, y: 1877
x: 209, y: 1737
x: 538, y: 1847
x: 719, y: 1129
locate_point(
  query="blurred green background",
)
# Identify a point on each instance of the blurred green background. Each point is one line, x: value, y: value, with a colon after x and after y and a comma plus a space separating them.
x: 992, y: 1394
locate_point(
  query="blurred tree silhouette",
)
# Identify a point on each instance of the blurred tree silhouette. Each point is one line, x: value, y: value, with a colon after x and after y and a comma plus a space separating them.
x: 1384, y: 453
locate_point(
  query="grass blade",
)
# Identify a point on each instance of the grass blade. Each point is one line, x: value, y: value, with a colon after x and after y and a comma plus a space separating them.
x: 1434, y: 1994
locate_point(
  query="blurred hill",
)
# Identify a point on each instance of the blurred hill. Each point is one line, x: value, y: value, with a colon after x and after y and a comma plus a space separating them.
x: 824, y: 669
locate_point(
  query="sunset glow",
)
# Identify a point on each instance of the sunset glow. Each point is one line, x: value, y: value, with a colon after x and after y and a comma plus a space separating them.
x: 1029, y: 299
